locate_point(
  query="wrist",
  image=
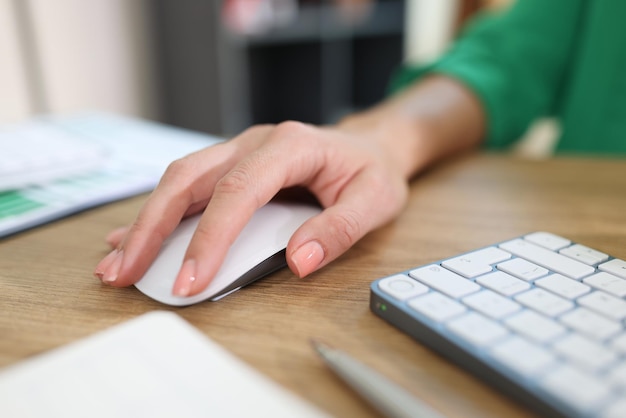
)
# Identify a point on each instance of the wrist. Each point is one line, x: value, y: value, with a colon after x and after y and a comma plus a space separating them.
x: 401, y: 139
x: 435, y: 118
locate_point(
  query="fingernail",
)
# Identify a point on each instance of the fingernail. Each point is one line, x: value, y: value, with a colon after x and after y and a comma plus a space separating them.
x: 104, y: 263
x: 185, y: 280
x: 307, y: 258
x: 111, y: 272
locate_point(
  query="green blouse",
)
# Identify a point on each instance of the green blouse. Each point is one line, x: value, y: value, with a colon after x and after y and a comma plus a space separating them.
x: 545, y: 58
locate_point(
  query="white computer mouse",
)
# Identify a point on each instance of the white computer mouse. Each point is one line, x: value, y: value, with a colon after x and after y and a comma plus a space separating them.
x: 257, y: 251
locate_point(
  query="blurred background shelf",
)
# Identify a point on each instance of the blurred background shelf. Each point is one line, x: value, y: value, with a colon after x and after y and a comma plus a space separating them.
x: 200, y: 65
x: 314, y: 65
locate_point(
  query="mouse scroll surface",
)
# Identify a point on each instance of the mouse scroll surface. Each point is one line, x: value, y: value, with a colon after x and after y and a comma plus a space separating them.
x: 254, y: 253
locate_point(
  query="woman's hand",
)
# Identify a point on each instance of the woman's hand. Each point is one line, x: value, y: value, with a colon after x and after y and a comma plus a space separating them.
x: 358, y: 170
x: 355, y: 179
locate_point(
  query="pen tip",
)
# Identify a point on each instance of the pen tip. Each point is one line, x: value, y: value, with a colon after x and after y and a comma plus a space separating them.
x: 318, y: 345
x: 314, y: 342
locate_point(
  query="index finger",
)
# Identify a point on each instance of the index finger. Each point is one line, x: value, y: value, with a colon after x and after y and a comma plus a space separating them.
x: 185, y: 187
x: 283, y: 162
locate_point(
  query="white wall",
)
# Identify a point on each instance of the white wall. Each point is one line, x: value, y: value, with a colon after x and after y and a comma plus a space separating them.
x: 93, y: 54
x: 429, y: 28
x: 15, y: 103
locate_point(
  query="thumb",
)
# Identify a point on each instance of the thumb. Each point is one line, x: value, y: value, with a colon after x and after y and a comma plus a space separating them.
x: 323, y: 238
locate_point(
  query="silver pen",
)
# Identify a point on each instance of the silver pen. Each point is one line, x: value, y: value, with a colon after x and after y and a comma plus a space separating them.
x: 386, y: 396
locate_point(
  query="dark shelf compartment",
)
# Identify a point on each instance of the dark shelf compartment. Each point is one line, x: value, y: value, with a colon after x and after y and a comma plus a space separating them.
x: 315, y: 69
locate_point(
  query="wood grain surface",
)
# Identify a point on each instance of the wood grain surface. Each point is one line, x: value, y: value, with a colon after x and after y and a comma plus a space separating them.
x: 48, y: 296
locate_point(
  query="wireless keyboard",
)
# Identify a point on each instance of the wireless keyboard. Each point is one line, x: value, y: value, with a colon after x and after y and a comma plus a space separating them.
x: 540, y: 317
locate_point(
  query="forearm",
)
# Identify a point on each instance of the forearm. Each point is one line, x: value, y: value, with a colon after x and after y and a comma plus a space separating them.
x: 427, y: 122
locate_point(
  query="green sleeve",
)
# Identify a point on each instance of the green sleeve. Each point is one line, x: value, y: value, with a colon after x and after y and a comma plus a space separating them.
x: 514, y: 61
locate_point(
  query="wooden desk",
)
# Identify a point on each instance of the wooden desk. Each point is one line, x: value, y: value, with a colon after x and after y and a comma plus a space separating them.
x: 48, y: 296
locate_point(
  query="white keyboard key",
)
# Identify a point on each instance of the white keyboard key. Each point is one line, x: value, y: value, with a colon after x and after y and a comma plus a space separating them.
x: 585, y: 352
x: 616, y: 409
x: 584, y: 254
x: 605, y: 304
x: 544, y: 302
x: 617, y: 376
x: 523, y: 356
x: 503, y: 283
x: 535, y: 326
x: 466, y: 267
x: 548, y: 259
x: 619, y: 343
x: 402, y: 287
x: 590, y: 323
x: 607, y: 282
x: 522, y: 269
x: 615, y: 266
x: 489, y: 255
x: 548, y: 240
x: 476, y: 263
x: 444, y: 280
x: 436, y: 306
x: 577, y: 388
x: 562, y: 286
x: 491, y: 304
x: 477, y: 329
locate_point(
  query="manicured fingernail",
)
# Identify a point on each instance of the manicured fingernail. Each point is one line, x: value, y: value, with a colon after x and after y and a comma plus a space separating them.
x: 307, y: 258
x: 111, y: 272
x: 104, y: 263
x: 185, y: 280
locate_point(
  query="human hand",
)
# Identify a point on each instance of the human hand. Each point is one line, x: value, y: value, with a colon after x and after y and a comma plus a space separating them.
x: 355, y: 178
x: 357, y: 170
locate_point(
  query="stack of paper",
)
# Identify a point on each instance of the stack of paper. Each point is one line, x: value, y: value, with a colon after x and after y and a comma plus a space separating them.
x: 135, y: 155
x: 156, y: 365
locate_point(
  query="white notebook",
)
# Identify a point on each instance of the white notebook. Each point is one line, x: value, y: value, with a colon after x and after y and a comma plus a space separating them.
x: 156, y: 365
